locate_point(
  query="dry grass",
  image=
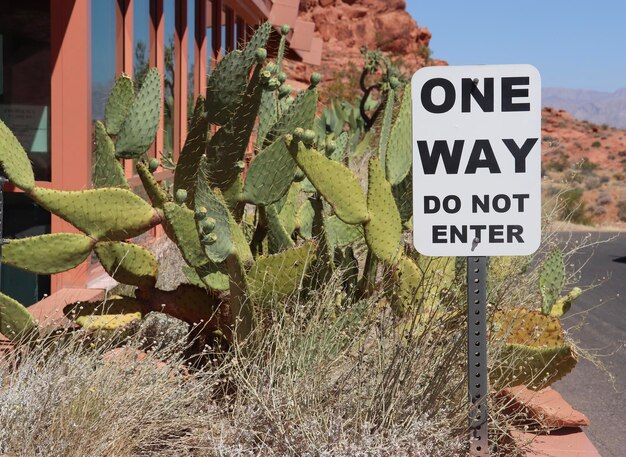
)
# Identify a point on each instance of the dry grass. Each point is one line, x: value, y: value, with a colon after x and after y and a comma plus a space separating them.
x: 324, y: 377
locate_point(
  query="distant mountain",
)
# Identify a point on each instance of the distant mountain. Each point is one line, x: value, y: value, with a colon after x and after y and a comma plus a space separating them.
x: 591, y: 105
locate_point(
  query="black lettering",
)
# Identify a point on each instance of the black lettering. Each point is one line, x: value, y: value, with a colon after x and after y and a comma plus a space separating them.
x: 478, y: 229
x: 427, y: 95
x: 439, y: 234
x: 520, y: 201
x: 448, y: 208
x: 505, y: 206
x: 458, y: 234
x: 484, y: 203
x: 469, y: 90
x: 436, y: 205
x: 520, y: 153
x: 514, y: 231
x: 496, y: 234
x: 440, y: 149
x: 508, y: 93
x: 476, y: 162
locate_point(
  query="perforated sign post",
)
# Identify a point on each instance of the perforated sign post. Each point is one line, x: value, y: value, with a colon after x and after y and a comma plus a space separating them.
x: 477, y: 186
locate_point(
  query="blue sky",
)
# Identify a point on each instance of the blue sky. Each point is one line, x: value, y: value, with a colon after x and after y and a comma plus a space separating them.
x: 574, y: 43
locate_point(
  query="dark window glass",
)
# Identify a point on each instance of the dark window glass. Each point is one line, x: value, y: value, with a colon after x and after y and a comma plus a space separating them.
x: 25, y: 71
x: 141, y: 40
x: 191, y: 39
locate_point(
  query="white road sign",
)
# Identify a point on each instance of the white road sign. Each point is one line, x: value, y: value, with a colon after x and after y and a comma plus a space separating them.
x: 476, y: 160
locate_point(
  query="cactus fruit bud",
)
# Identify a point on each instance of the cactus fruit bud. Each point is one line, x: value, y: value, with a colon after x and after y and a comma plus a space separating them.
x: 315, y: 79
x: 284, y: 30
x: 261, y: 55
x: 240, y: 164
x: 309, y: 137
x: 209, y: 239
x: 180, y: 196
x: 282, y: 77
x: 284, y: 91
x: 201, y: 213
x: 153, y: 165
x: 207, y: 225
x: 330, y: 147
x: 394, y: 82
x: 272, y: 84
x: 298, y: 134
x: 271, y: 67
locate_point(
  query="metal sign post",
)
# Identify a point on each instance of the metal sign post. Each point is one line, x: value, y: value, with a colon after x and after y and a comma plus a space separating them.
x: 477, y: 354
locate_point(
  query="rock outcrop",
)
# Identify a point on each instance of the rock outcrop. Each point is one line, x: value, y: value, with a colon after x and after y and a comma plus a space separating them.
x: 347, y: 25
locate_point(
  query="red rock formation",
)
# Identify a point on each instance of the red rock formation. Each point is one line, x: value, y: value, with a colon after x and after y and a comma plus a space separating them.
x: 347, y: 25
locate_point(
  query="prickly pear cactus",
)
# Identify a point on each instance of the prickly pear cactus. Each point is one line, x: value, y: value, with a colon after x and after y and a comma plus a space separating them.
x: 551, y: 279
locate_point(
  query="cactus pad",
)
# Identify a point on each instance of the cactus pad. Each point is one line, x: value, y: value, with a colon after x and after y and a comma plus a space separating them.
x: 227, y: 148
x: 48, y: 254
x: 386, y: 126
x: 107, y: 170
x: 384, y: 229
x: 195, y: 145
x: 119, y: 104
x: 299, y: 114
x: 15, y: 320
x: 535, y: 351
x: 281, y: 274
x: 128, y: 263
x: 278, y: 238
x: 409, y: 280
x: 14, y: 161
x: 104, y: 214
x: 338, y: 184
x: 270, y: 175
x: 551, y: 279
x: 137, y: 133
x: 341, y: 147
x: 157, y: 195
x: 180, y: 227
x: 340, y: 234
x: 400, y: 149
x: 114, y: 314
x: 216, y: 208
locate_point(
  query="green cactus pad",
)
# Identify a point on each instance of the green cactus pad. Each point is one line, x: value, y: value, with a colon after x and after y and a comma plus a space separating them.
x: 128, y: 263
x: 227, y: 83
x: 400, y: 149
x: 403, y: 196
x: 137, y: 133
x: 278, y: 237
x: 107, y: 170
x: 241, y: 306
x: 104, y: 214
x: 189, y: 303
x: 268, y: 115
x: 409, y: 279
x: 212, y: 276
x: 195, y: 145
x: 551, y: 279
x: 304, y: 220
x: 385, y: 129
x: 157, y: 195
x: 564, y: 304
x: 15, y: 320
x: 113, y: 314
x: 288, y: 209
x: 47, y: 254
x: 338, y: 184
x: 270, y: 175
x: 216, y: 208
x: 14, y: 161
x: 119, y: 104
x: 536, y: 352
x: 180, y: 227
x: 384, y: 229
x: 228, y: 146
x: 341, y: 148
x: 340, y: 234
x: 300, y: 113
x: 281, y: 274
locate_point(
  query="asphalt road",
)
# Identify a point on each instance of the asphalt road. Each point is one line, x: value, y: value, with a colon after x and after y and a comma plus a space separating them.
x: 597, y: 321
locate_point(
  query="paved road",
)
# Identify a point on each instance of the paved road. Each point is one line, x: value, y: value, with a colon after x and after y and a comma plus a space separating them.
x: 602, y: 313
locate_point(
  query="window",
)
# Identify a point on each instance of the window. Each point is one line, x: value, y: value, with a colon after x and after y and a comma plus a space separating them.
x: 169, y: 74
x: 141, y: 40
x: 191, y: 39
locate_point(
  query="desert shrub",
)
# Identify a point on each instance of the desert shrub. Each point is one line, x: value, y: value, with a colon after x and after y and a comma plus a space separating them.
x: 621, y: 210
x: 573, y: 206
x: 596, y: 144
x: 604, y: 199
